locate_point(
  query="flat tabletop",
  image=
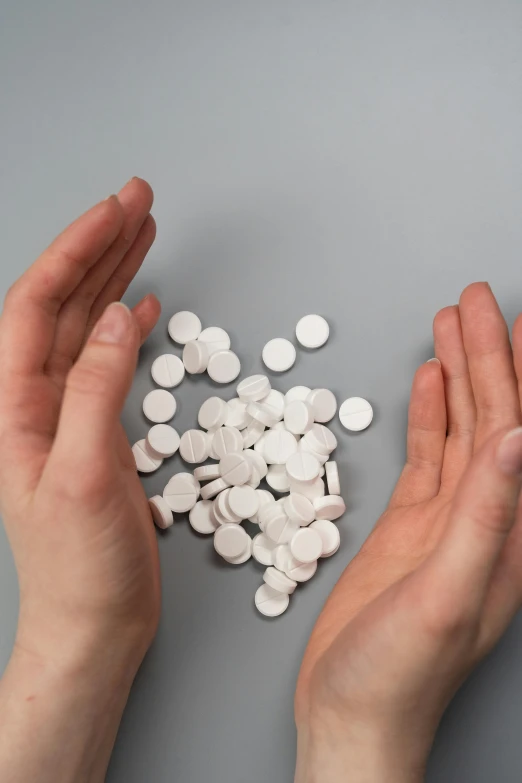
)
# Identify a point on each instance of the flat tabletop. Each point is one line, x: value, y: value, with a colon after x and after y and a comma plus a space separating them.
x: 361, y: 160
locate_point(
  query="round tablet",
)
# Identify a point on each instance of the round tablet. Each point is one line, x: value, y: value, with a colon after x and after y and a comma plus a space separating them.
x: 212, y: 413
x: 278, y: 446
x: 274, y: 403
x: 279, y: 354
x: 310, y: 489
x: 304, y: 446
x: 356, y: 414
x: 300, y: 572
x: 263, y: 549
x: 321, y: 439
x: 332, y: 478
x: 252, y: 433
x: 195, y: 357
x: 163, y: 439
x: 168, y: 370
x: 221, y: 502
x: 330, y: 536
x: 257, y: 461
x: 255, y: 479
x: 312, y: 331
x: 330, y: 507
x: 253, y: 388
x: 161, y: 512
x: 265, y: 499
x: 181, y: 493
x: 299, y: 509
x: 281, y: 557
x: 159, y: 406
x: 227, y: 440
x: 324, y: 404
x: 306, y: 545
x: 224, y: 366
x: 281, y: 529
x: 302, y: 466
x: 146, y: 461
x: 282, y: 426
x: 298, y: 417
x: 215, y: 338
x: 193, y: 446
x: 207, y: 473
x: 220, y: 518
x: 210, y: 441
x: 202, y: 518
x: 213, y: 488
x: 236, y: 414
x: 247, y: 554
x: 280, y: 582
x: 235, y: 468
x: 231, y: 541
x: 184, y: 326
x: 243, y: 501
x: 297, y: 393
x: 270, y: 602
x: 277, y: 478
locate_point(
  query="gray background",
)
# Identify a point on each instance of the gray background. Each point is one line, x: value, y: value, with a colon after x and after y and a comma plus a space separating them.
x: 357, y: 158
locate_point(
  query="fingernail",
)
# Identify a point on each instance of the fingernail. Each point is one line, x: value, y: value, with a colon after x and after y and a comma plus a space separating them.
x: 509, y: 453
x: 435, y: 360
x: 114, y: 325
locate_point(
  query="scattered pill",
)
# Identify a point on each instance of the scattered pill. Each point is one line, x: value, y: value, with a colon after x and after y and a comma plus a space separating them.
x: 227, y: 440
x: 252, y: 433
x: 215, y: 338
x: 270, y: 602
x: 207, y: 472
x: 195, y: 357
x: 257, y: 461
x: 298, y: 417
x: 213, y: 413
x: 213, y: 488
x: 261, y: 414
x: 184, y: 326
x: 299, y: 509
x: 221, y: 502
x: 330, y: 507
x: 159, y: 406
x: 277, y: 478
x: 278, y: 581
x: 281, y: 529
x: 356, y: 414
x: 235, y: 468
x: 323, y: 403
x: 263, y: 549
x: 297, y: 393
x: 301, y: 572
x: 223, y: 366
x: 321, y: 439
x: 146, y: 461
x: 330, y: 536
x: 278, y: 446
x: 312, y: 331
x: 181, y: 493
x: 236, y: 414
x: 274, y: 402
x: 161, y: 512
x: 306, y: 545
x: 279, y: 354
x: 310, y: 489
x: 247, y: 554
x: 243, y: 501
x: 163, y: 440
x: 193, y: 446
x: 168, y: 370
x: 265, y: 499
x: 302, y: 467
x: 253, y: 388
x: 202, y: 518
x: 281, y: 557
x: 332, y: 478
x: 231, y: 541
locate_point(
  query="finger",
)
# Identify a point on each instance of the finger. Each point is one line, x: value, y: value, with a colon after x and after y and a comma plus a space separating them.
x: 420, y: 479
x: 146, y: 314
x: 136, y: 200
x: 460, y: 404
x: 33, y: 303
x: 517, y: 353
x: 490, y: 361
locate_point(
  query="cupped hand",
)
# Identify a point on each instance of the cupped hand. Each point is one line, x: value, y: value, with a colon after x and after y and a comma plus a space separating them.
x: 440, y: 577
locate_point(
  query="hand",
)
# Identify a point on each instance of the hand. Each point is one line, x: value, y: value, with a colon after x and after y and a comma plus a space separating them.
x: 439, y: 579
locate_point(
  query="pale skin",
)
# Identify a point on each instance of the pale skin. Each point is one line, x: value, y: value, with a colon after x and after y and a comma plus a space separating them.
x: 432, y: 590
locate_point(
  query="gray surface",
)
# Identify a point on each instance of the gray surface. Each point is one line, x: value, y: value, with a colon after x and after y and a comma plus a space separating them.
x: 357, y: 158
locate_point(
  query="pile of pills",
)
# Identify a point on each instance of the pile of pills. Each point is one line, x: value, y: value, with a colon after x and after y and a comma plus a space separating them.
x: 259, y: 435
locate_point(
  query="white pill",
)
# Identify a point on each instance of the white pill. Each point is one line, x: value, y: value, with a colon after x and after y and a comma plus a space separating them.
x: 181, y: 493
x: 263, y: 549
x: 253, y: 388
x: 305, y: 446
x: 274, y: 402
x: 224, y: 366
x: 231, y: 541
x: 300, y: 572
x: 297, y: 393
x: 298, y: 417
x: 265, y: 499
x: 215, y: 338
x: 330, y: 536
x: 299, y: 509
x: 259, y: 444
x: 306, y: 545
x: 195, y: 357
x: 324, y: 404
x: 321, y: 439
x: 282, y: 426
x: 332, y: 478
x: 214, y: 488
x: 257, y: 461
x: 220, y: 518
x: 330, y: 507
x: 260, y: 413
x: 252, y: 433
x: 302, y: 466
x: 213, y: 413
x: 281, y: 529
x: 227, y: 440
x: 161, y: 512
x: 255, y: 479
x: 278, y: 446
x: 146, y: 460
x: 159, y: 406
x: 207, y: 473
x: 280, y: 582
x: 163, y: 439
x: 221, y: 502
x: 193, y: 446
x: 270, y: 602
x: 202, y: 518
x: 243, y: 501
x: 236, y: 414
x: 281, y: 557
x: 279, y: 354
x: 312, y: 331
x: 356, y: 414
x: 247, y: 554
x: 184, y: 326
x: 235, y: 468
x: 168, y: 370
x: 277, y: 478
x: 270, y: 512
x: 310, y: 489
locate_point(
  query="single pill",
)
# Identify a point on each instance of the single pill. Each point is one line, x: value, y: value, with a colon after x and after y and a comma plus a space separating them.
x: 330, y: 507
x: 259, y: 413
x: 221, y: 502
x: 299, y: 509
x: 279, y: 445
x: 207, y: 473
x: 274, y: 402
x: 298, y: 417
x: 243, y: 501
x: 231, y: 541
x: 257, y: 462
x: 312, y: 331
x: 277, y: 478
x: 163, y: 439
x: 302, y: 466
x: 213, y: 489
x: 252, y: 433
x: 281, y: 557
x: 210, y: 443
x: 263, y: 549
x: 330, y: 536
x: 265, y: 499
x: 202, y: 518
x: 297, y: 393
x: 279, y: 354
x: 159, y: 406
x: 184, y: 326
x: 255, y: 479
x: 321, y: 439
x: 213, y: 413
x: 227, y: 440
x: 306, y: 545
x: 270, y: 602
x: 146, y: 460
x: 324, y: 404
x: 236, y: 414
x: 300, y: 572
x: 305, y: 446
x: 356, y: 414
x: 235, y: 468
x: 247, y: 554
x: 181, y: 493
x: 168, y: 370
x: 259, y: 445
x: 195, y: 357
x: 215, y: 338
x: 161, y: 512
x: 310, y: 489
x: 224, y: 366
x: 193, y: 446
x: 280, y: 426
x: 280, y: 582
x: 332, y: 478
x: 253, y: 388
x: 281, y: 529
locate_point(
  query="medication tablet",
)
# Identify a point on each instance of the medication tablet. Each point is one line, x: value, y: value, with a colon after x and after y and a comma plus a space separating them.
x: 332, y: 478
x: 282, y: 426
x: 324, y: 404
x: 146, y: 461
x: 221, y: 503
x: 297, y: 393
x: 213, y: 413
x: 253, y: 388
x: 231, y: 541
x: 168, y: 370
x: 299, y: 509
x: 255, y: 479
x: 278, y: 446
x: 280, y: 582
x: 243, y: 501
x: 235, y: 468
x: 330, y: 536
x: 321, y: 439
x: 298, y: 417
x: 281, y: 557
x: 202, y: 518
x: 181, y: 493
x: 281, y: 529
x: 207, y: 473
x: 193, y: 446
x: 263, y: 549
x: 184, y: 326
x: 302, y: 466
x: 224, y: 366
x: 274, y: 403
x: 252, y: 433
x: 312, y: 331
x: 236, y: 414
x: 195, y: 357
x: 247, y: 554
x: 330, y: 507
x: 210, y: 440
x: 277, y: 478
x: 215, y: 338
x: 163, y: 439
x: 306, y: 545
x: 301, y: 572
x: 259, y: 444
x: 279, y: 354
x: 265, y: 499
x: 305, y: 446
x: 257, y: 412
x: 310, y: 489
x: 356, y: 414
x: 227, y: 440
x: 161, y: 512
x: 213, y: 489
x: 270, y: 602
x: 159, y: 406
x: 257, y: 462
